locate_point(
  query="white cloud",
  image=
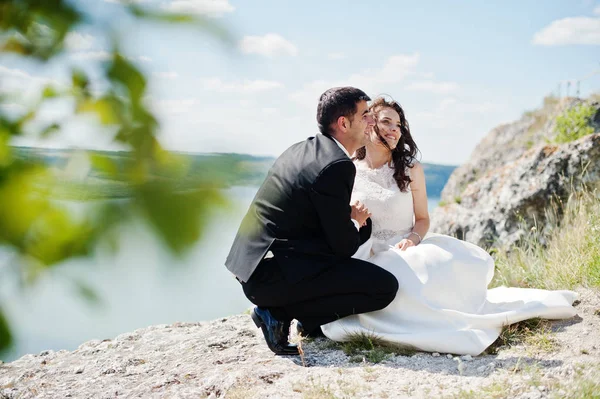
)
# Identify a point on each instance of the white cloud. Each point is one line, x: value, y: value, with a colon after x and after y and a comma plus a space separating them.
x: 268, y: 45
x: 457, y: 106
x: 247, y: 86
x: 575, y: 30
x: 80, y: 132
x: 22, y: 89
x: 16, y: 82
x: 76, y: 41
x: 310, y: 92
x: 448, y: 130
x: 166, y: 75
x: 102, y: 55
x: 596, y: 10
x: 178, y: 106
x: 92, y: 55
x: 125, y: 1
x: 394, y: 70
x: 212, y: 8
x: 451, y: 113
x: 372, y: 81
x: 13, y: 73
x: 336, y: 56
x: 13, y: 108
x: 447, y: 103
x: 433, y: 87
x: 225, y: 129
x: 269, y: 110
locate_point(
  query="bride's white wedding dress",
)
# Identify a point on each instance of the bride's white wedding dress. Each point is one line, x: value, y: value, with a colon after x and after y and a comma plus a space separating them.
x: 443, y: 304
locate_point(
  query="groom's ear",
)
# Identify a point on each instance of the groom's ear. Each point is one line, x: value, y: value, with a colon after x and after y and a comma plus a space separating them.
x: 342, y: 123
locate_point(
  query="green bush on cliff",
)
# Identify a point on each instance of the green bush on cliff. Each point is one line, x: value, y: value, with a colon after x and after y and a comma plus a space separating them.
x: 574, y: 123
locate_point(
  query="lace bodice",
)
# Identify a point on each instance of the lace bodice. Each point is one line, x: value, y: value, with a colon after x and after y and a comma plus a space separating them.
x: 392, y: 211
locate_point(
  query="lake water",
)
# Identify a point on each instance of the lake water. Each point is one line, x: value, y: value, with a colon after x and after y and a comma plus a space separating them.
x: 140, y: 285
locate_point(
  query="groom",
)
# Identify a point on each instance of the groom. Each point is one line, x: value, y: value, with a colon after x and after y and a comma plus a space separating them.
x: 292, y: 253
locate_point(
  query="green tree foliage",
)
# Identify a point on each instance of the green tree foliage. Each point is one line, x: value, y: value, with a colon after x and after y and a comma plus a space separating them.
x: 33, y: 225
x: 574, y: 123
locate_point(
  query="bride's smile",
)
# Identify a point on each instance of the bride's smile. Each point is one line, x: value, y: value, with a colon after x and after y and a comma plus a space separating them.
x: 388, y: 125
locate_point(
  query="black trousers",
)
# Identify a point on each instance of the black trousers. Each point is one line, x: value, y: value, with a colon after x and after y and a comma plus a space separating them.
x: 351, y: 286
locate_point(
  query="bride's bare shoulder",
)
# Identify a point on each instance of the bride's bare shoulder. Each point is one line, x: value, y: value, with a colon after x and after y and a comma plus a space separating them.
x: 416, y: 165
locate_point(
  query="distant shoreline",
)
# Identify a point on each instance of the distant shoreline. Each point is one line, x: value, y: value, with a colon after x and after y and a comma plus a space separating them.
x: 225, y: 169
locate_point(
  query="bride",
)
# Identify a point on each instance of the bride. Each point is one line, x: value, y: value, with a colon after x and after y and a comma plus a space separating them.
x: 443, y: 304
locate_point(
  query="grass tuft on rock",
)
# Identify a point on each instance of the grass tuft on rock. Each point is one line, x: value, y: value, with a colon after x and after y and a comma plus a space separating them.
x: 582, y: 385
x: 534, y: 333
x: 371, y: 348
x: 564, y: 255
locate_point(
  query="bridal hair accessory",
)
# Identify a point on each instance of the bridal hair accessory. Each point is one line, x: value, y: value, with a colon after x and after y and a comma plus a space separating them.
x: 418, y: 235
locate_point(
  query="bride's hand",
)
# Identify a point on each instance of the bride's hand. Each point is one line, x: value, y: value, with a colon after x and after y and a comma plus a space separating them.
x: 359, y: 212
x: 404, y: 244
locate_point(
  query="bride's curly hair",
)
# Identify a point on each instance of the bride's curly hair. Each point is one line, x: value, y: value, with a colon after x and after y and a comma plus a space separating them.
x: 405, y: 153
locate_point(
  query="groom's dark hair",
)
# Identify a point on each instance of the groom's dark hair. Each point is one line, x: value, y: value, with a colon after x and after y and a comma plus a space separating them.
x: 336, y: 102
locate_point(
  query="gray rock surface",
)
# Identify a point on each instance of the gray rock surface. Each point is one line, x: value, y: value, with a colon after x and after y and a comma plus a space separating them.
x: 227, y: 358
x: 512, y: 178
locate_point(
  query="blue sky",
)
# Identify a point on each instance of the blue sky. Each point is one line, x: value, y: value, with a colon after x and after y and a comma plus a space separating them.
x: 459, y: 68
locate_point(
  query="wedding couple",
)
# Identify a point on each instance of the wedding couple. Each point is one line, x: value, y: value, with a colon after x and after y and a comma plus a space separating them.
x: 336, y: 238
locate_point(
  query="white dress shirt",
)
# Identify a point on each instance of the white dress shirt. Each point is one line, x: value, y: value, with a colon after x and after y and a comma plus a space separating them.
x: 348, y: 155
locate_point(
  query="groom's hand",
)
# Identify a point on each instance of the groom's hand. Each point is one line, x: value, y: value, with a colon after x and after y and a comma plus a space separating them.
x: 359, y: 212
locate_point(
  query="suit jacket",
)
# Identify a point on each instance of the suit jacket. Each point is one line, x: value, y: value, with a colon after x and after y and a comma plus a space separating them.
x: 301, y: 213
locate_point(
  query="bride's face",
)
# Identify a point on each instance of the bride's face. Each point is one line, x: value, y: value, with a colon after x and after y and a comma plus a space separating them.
x: 388, y: 124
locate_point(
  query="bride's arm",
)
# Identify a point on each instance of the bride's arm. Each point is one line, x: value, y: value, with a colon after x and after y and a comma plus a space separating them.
x: 419, y: 192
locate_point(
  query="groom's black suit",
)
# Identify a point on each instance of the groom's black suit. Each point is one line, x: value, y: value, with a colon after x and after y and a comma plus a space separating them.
x: 301, y: 213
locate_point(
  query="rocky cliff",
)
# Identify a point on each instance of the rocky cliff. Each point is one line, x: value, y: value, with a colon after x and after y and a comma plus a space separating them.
x: 515, y: 173
x: 228, y: 358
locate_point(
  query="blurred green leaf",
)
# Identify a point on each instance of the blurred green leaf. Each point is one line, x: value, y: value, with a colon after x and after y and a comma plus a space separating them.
x: 176, y: 215
x: 8, y: 127
x: 49, y: 130
x: 104, y: 164
x: 17, y: 45
x: 41, y: 26
x: 5, y: 151
x: 79, y: 80
x: 32, y: 222
x: 143, y: 140
x: 173, y: 165
x: 123, y: 72
x: 159, y: 16
x: 29, y: 116
x: 55, y: 236
x: 110, y: 216
x: 87, y: 292
x: 5, y: 334
x: 49, y: 92
x: 20, y: 207
x: 103, y: 108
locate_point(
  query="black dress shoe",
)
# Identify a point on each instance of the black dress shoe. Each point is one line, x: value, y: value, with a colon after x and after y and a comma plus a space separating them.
x: 275, y: 332
x: 317, y: 333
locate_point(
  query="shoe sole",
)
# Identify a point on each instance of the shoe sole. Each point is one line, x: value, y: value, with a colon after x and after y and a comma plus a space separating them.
x: 259, y: 323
